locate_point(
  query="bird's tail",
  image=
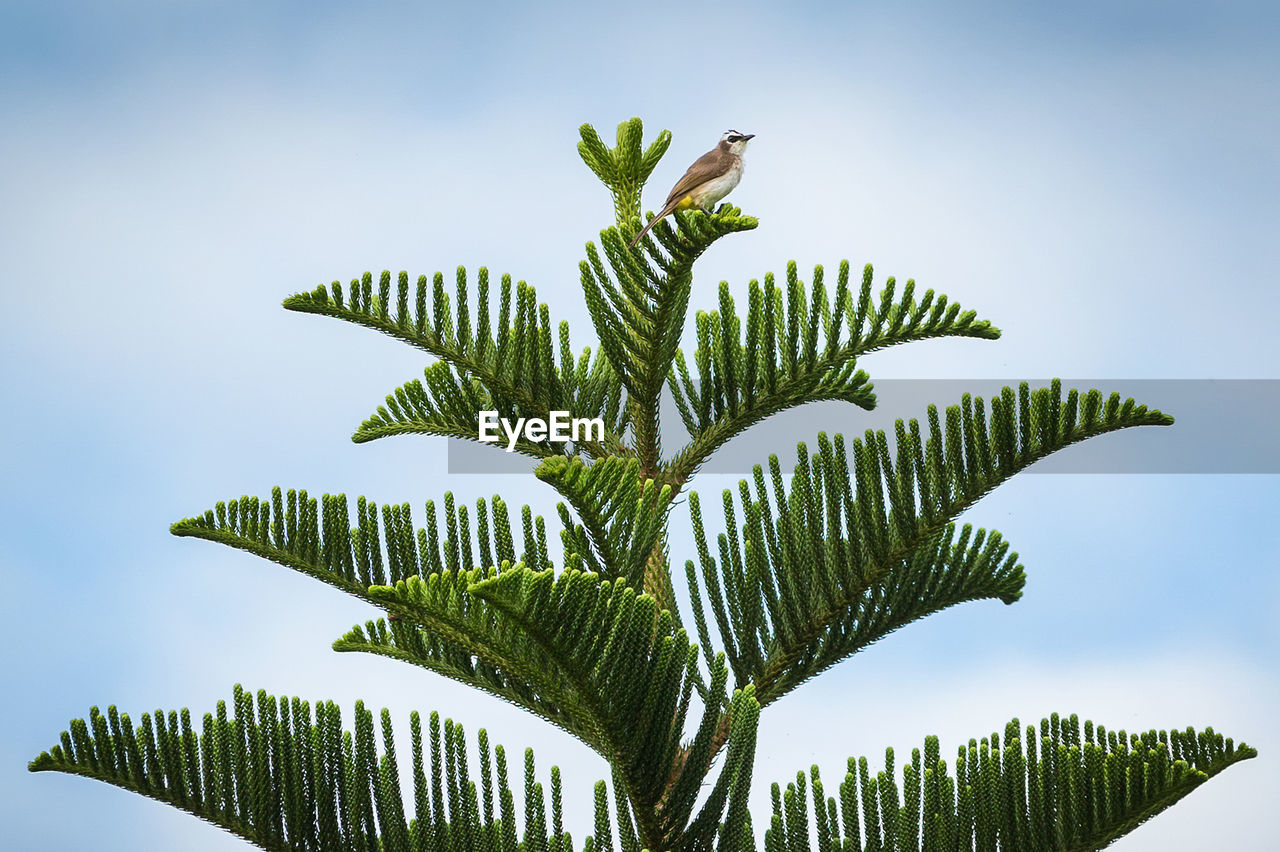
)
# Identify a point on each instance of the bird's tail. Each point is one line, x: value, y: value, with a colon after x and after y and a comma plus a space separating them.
x: 665, y: 212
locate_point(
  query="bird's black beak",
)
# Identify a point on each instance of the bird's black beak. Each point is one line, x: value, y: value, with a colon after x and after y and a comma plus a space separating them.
x: 749, y: 137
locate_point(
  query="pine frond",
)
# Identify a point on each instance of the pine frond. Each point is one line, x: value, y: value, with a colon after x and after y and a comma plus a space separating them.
x: 1056, y: 790
x: 724, y: 824
x: 623, y: 517
x: 517, y: 365
x: 316, y: 537
x: 832, y: 563
x: 449, y: 611
x: 285, y: 776
x: 455, y: 636
x: 633, y: 671
x: 624, y: 168
x: 800, y: 349
x: 451, y: 406
x: 638, y: 306
x: 594, y: 658
x: 938, y: 574
x: 410, y: 642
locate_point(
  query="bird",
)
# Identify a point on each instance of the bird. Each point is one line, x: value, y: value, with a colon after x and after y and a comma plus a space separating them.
x: 711, y: 177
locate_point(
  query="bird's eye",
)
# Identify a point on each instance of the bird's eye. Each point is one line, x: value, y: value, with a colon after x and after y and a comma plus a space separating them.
x: 735, y: 138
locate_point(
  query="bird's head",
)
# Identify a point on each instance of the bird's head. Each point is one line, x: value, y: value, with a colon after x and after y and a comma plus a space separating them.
x: 735, y: 142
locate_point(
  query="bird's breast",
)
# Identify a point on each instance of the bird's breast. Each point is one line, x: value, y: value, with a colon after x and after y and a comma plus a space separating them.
x: 718, y: 187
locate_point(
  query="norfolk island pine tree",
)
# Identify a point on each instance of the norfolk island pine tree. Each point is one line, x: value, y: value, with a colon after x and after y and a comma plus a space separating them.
x: 808, y: 568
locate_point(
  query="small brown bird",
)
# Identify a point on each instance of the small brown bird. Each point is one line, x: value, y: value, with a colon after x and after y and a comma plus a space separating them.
x: 711, y: 177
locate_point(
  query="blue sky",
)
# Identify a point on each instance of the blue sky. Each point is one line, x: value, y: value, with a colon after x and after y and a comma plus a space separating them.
x: 1100, y: 180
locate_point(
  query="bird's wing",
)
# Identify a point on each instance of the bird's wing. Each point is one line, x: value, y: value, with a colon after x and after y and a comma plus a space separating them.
x: 710, y: 165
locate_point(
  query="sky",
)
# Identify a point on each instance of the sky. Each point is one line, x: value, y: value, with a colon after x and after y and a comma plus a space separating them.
x: 1100, y: 180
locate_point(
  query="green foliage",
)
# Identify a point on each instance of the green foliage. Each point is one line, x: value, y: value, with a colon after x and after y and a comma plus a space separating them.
x: 802, y: 351
x: 845, y: 556
x: 445, y: 629
x: 860, y: 541
x: 623, y: 517
x: 509, y: 365
x: 1052, y: 791
x: 286, y: 777
x: 316, y: 537
x: 638, y: 307
x: 588, y: 655
x: 623, y: 169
